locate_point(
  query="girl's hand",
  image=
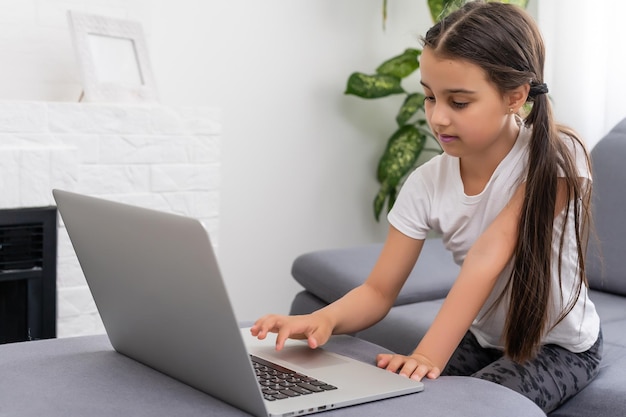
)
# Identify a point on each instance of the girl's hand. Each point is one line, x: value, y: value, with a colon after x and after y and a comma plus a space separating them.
x: 315, y: 328
x: 416, y: 366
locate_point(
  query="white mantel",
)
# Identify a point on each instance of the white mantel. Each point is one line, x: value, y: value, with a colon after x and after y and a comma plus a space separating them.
x: 154, y: 156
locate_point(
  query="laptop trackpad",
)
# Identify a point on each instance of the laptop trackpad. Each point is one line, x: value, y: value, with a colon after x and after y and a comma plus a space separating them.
x: 302, y: 356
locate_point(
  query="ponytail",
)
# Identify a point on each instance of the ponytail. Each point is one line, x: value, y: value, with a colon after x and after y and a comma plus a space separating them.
x: 530, y: 280
x: 530, y: 283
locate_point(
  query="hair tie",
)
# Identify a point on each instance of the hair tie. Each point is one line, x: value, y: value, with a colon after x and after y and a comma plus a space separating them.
x: 538, y: 89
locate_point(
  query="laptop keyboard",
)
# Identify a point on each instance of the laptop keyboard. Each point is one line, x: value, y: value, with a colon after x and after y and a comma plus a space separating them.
x: 278, y: 382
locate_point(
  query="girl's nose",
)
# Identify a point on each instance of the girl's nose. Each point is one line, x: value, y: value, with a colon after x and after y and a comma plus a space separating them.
x: 439, y: 115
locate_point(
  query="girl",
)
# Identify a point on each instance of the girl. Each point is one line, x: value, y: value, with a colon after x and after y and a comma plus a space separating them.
x: 510, y: 198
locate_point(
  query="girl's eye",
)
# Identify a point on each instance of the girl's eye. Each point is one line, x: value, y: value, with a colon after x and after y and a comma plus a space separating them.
x: 429, y: 99
x: 459, y: 105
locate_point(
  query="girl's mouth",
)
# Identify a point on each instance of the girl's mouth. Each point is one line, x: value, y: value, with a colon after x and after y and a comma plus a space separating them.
x: 446, y: 138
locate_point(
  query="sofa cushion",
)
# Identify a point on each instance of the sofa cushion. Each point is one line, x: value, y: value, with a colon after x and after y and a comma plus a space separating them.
x: 605, y: 260
x: 612, y: 311
x: 305, y: 303
x: 610, y: 307
x: 329, y: 274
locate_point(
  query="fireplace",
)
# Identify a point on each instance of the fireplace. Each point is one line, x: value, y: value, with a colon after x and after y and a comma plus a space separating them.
x: 28, y: 252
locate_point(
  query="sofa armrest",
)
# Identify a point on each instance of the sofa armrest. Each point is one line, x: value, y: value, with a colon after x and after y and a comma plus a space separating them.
x: 329, y: 274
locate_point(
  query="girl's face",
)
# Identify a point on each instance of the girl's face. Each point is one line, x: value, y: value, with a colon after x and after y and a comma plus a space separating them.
x: 467, y: 113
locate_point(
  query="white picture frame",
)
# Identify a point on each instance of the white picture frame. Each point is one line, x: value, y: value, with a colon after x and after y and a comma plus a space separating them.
x: 113, y: 59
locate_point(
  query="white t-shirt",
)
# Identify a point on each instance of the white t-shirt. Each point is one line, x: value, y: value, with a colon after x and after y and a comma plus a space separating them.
x: 433, y: 198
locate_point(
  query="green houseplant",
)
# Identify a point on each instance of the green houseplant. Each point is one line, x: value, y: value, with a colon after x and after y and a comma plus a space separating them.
x: 410, y: 139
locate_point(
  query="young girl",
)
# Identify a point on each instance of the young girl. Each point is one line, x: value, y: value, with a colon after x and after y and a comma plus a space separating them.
x: 510, y: 198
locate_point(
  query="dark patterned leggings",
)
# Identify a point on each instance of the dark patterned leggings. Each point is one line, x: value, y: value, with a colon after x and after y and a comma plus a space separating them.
x: 553, y: 377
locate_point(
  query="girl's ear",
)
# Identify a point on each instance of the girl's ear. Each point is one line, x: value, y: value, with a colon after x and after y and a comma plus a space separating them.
x: 516, y: 98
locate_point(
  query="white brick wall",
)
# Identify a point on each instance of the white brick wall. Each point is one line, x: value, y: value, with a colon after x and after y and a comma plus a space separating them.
x: 148, y: 155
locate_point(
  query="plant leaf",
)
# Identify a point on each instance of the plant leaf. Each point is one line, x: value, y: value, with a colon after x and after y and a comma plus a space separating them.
x: 373, y: 86
x: 379, y: 200
x: 403, y: 149
x: 393, y: 193
x: 412, y: 104
x: 401, y: 65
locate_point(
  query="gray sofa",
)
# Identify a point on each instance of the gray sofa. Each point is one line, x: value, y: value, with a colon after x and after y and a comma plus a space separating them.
x: 327, y: 275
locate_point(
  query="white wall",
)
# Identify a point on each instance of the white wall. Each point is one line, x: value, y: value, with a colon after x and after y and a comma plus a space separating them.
x: 298, y: 156
x: 585, y: 63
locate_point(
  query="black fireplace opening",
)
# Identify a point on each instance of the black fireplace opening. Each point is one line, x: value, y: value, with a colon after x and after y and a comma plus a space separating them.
x: 28, y: 254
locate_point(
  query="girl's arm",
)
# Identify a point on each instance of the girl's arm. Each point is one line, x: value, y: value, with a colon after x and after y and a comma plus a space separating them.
x: 362, y: 307
x: 370, y: 302
x: 484, y: 261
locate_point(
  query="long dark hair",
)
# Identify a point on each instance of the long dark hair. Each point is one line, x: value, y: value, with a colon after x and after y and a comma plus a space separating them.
x: 504, y: 40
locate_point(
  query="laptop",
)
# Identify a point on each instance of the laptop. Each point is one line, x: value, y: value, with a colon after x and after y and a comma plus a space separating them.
x: 156, y: 283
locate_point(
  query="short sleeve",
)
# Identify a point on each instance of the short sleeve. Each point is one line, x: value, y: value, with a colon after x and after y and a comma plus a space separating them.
x: 410, y: 211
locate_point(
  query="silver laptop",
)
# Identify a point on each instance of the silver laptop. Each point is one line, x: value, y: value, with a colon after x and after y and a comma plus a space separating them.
x: 156, y: 283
